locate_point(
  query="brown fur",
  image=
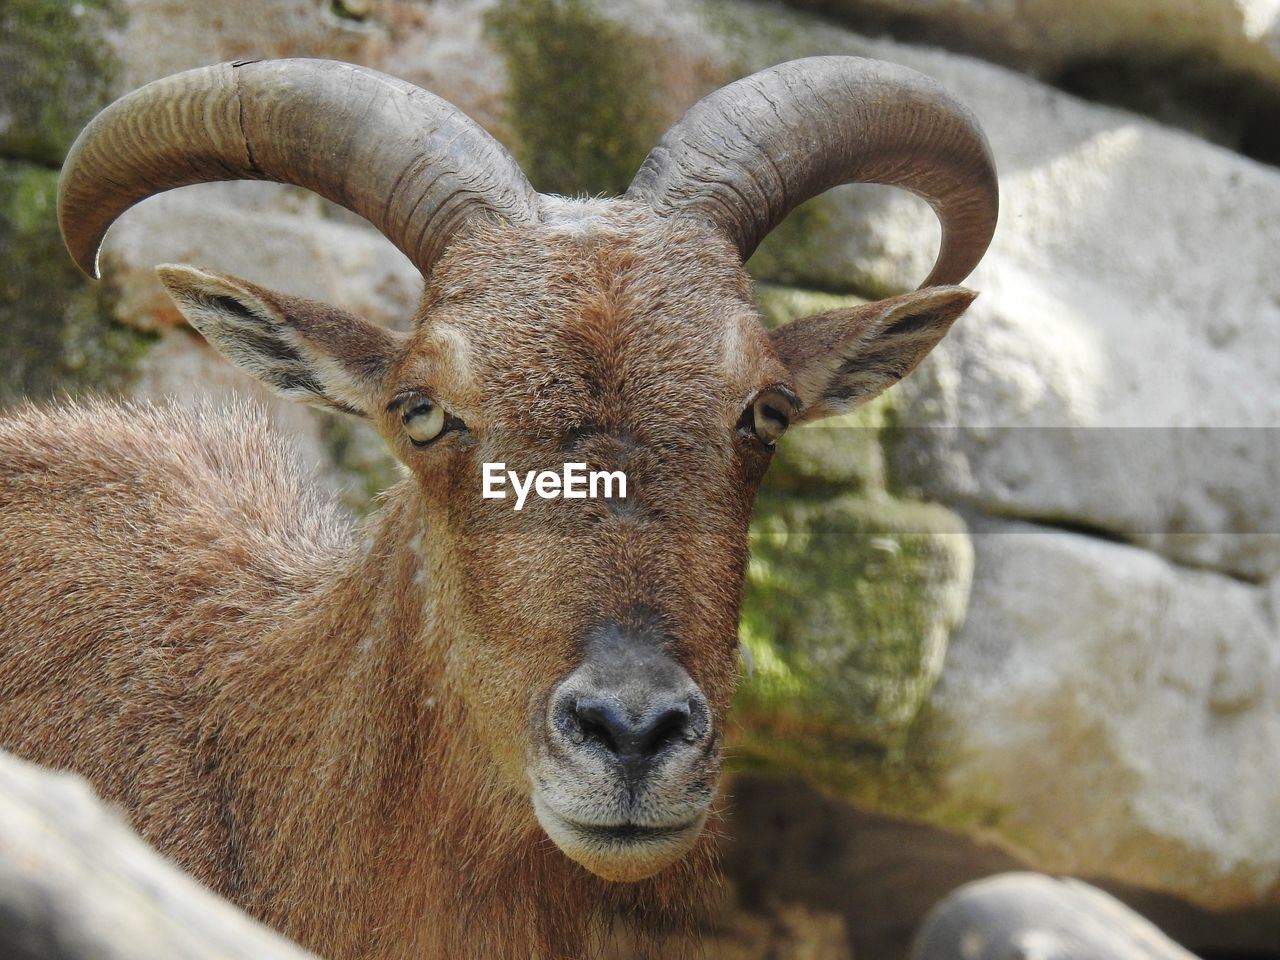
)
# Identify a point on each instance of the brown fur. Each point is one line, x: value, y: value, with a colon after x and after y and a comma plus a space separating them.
x: 333, y: 728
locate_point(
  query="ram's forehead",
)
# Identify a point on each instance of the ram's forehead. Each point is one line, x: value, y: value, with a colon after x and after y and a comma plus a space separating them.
x: 579, y: 243
x: 600, y: 299
x: 583, y: 215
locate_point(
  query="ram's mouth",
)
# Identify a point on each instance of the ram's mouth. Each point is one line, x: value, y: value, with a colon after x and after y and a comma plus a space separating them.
x: 622, y: 834
x: 619, y: 850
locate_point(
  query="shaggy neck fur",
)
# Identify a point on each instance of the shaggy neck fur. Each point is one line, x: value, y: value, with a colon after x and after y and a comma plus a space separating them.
x: 442, y: 834
x: 270, y: 702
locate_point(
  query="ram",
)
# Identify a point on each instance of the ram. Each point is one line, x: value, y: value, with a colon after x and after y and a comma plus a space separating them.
x: 367, y: 739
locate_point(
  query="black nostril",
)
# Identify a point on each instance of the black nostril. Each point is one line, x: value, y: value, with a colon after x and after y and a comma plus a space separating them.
x: 631, y: 738
x: 600, y: 721
x: 669, y: 726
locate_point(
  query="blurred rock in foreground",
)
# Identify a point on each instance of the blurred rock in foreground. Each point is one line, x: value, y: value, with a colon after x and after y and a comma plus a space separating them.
x: 77, y: 884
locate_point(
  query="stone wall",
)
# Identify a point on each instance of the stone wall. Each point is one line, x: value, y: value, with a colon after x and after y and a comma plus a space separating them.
x: 1030, y: 596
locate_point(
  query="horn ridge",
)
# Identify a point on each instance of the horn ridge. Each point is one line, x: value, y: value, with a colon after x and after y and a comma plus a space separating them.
x: 409, y: 162
x: 748, y: 154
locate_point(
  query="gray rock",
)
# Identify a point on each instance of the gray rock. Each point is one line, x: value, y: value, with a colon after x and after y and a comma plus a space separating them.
x: 1028, y: 916
x: 1116, y: 715
x: 1226, y: 37
x: 267, y: 235
x: 160, y: 37
x: 77, y: 884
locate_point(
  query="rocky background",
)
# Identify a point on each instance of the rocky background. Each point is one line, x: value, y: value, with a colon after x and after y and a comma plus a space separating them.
x: 1023, y: 610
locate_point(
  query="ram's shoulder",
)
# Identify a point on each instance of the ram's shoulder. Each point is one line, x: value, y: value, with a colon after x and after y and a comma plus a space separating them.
x: 163, y: 463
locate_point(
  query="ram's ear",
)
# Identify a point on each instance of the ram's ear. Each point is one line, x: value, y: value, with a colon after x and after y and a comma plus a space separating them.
x: 843, y: 358
x: 301, y: 349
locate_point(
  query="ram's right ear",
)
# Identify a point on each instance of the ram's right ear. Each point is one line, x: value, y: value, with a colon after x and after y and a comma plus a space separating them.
x: 301, y: 349
x: 842, y: 358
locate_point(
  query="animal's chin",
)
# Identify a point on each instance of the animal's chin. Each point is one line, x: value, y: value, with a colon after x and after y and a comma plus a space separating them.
x: 619, y: 851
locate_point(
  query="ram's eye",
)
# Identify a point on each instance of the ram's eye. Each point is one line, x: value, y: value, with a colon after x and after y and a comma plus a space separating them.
x: 424, y: 420
x: 769, y: 415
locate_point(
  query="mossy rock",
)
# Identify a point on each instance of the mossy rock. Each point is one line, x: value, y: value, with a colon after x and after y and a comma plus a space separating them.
x: 796, y: 250
x: 832, y: 457
x: 59, y: 71
x: 582, y: 102
x: 359, y: 461
x: 852, y: 595
x: 849, y: 606
x: 56, y: 332
x: 780, y: 305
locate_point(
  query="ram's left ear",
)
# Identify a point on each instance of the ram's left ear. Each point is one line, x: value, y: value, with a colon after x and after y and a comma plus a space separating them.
x: 301, y: 349
x: 843, y: 358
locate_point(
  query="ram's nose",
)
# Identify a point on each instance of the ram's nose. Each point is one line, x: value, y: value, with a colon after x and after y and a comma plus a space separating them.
x: 633, y: 735
x: 629, y: 703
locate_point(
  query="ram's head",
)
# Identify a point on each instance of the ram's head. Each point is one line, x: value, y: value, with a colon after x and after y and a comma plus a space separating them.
x: 593, y: 641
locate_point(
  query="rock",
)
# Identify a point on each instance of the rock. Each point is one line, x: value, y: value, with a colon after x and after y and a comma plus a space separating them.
x: 1115, y: 715
x: 160, y: 37
x: 1102, y: 711
x: 59, y: 71
x: 55, y: 333
x: 787, y: 843
x: 1218, y: 38
x: 300, y: 252
x: 851, y: 593
x: 581, y: 95
x: 77, y: 884
x: 1031, y: 915
x: 850, y: 601
x: 442, y: 48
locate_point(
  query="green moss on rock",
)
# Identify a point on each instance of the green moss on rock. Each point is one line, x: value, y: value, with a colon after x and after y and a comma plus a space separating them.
x: 849, y: 606
x: 360, y: 462
x: 797, y: 246
x: 833, y: 457
x: 811, y: 247
x: 779, y: 305
x: 582, y: 101
x: 58, y: 73
x: 56, y: 332
x: 852, y: 595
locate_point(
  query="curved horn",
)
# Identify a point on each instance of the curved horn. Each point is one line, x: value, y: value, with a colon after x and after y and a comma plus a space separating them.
x: 748, y: 154
x: 412, y: 164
